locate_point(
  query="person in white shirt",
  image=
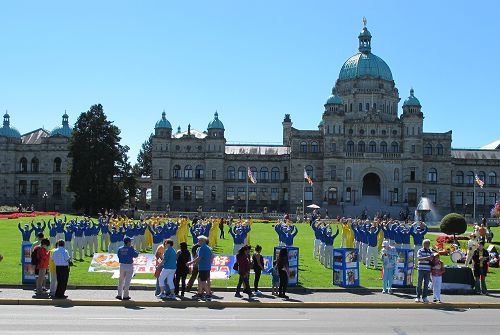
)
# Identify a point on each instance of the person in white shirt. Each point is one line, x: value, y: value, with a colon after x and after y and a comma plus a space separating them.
x: 61, y: 259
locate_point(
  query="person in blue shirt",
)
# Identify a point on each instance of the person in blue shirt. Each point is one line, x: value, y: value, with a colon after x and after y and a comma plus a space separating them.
x: 169, y: 266
x: 52, y: 232
x: 59, y: 228
x: 329, y: 240
x: 405, y: 236
x: 279, y: 229
x: 26, y: 232
x: 372, y: 250
x: 238, y: 237
x: 95, y: 233
x: 398, y: 237
x: 68, y: 237
x: 157, y: 237
x: 289, y: 235
x: 316, y: 226
x: 126, y: 254
x: 195, y: 232
x: 78, y: 244
x: 104, y: 228
x: 418, y: 232
x: 389, y: 257
x: 38, y: 228
x: 204, y: 262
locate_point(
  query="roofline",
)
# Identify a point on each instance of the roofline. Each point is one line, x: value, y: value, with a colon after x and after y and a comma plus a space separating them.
x: 34, y: 131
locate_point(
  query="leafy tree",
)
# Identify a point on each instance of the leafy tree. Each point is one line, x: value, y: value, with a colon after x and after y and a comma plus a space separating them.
x: 144, y: 165
x: 98, y: 162
x: 453, y: 224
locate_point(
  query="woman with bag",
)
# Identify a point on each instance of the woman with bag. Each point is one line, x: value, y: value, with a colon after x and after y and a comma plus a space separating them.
x: 258, y: 266
x: 284, y: 272
x: 183, y: 257
x: 244, y: 264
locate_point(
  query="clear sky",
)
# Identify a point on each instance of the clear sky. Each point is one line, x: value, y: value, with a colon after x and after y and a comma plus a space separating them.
x: 253, y: 61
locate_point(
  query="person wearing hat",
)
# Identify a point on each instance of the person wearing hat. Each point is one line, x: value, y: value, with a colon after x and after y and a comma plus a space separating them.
x: 437, y: 271
x: 126, y: 254
x: 389, y: 257
x: 471, y: 248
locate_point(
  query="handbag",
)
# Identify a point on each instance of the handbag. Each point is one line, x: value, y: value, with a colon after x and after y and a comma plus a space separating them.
x: 158, y: 271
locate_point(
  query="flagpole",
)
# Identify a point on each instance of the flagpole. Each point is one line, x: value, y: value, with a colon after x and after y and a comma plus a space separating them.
x: 474, y: 200
x: 303, y: 197
x: 246, y: 199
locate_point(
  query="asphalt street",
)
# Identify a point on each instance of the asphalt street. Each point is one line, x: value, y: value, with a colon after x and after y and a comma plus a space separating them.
x: 120, y: 320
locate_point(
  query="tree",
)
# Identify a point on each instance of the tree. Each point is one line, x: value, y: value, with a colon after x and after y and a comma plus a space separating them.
x: 453, y: 224
x: 97, y: 158
x: 144, y: 165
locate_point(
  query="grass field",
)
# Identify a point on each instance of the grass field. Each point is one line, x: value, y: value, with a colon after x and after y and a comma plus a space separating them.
x: 311, y: 273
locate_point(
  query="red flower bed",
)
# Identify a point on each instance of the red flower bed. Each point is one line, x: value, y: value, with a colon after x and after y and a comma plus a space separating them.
x: 449, y: 239
x: 23, y: 215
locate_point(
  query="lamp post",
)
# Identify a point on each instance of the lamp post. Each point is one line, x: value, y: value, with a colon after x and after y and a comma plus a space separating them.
x: 45, y: 196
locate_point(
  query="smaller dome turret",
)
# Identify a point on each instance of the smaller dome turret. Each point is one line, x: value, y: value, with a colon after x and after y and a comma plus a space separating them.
x: 412, y: 100
x: 216, y: 123
x: 163, y: 123
x: 334, y: 99
x: 64, y: 129
x: 7, y: 130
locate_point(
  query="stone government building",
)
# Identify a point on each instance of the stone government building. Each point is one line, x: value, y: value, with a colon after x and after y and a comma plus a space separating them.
x: 364, y: 155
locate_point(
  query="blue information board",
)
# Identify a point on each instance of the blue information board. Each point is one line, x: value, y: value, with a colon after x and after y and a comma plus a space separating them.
x: 28, y: 270
x: 403, y: 273
x: 345, y: 267
x: 293, y: 263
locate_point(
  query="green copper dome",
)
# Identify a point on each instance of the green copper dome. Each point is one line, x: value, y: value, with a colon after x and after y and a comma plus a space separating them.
x: 7, y: 130
x: 64, y: 129
x: 163, y: 123
x: 321, y: 124
x: 334, y: 100
x: 216, y: 123
x: 412, y: 100
x: 364, y: 64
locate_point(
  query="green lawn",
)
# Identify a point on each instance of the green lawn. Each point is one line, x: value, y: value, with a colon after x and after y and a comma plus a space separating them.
x: 311, y: 274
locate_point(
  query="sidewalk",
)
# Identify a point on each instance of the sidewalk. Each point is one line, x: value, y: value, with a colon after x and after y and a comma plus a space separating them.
x: 357, y: 299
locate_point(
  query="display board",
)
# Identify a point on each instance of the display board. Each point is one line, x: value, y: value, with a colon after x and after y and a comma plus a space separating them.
x: 403, y: 272
x: 28, y: 270
x: 345, y: 267
x: 106, y: 262
x: 293, y: 263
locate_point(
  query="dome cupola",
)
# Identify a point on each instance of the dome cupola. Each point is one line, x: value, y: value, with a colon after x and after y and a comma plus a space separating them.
x: 163, y: 123
x: 215, y: 123
x: 7, y: 130
x: 64, y: 129
x: 412, y: 100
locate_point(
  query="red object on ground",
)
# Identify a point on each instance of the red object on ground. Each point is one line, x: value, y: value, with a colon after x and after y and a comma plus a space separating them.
x: 22, y: 215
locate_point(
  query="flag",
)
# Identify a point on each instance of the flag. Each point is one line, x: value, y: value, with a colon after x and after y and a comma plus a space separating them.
x: 479, y: 181
x: 306, y: 177
x: 251, y: 177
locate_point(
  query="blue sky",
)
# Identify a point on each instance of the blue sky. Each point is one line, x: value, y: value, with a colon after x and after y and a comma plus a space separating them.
x: 253, y: 61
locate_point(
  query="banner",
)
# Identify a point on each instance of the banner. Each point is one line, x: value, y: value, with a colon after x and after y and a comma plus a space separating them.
x: 222, y: 266
x: 106, y: 262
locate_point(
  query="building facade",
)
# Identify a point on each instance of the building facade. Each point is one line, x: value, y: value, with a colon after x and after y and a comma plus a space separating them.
x: 364, y: 156
x: 34, y: 167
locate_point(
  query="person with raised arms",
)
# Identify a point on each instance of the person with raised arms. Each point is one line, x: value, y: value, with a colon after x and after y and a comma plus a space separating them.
x: 79, y: 243
x: 60, y: 224
x: 26, y: 232
x: 316, y: 226
x: 289, y: 235
x: 68, y: 237
x: 52, y: 233
x: 238, y: 237
x: 372, y: 249
x: 157, y: 236
x: 38, y: 228
x: 104, y: 228
x: 418, y: 232
x: 329, y: 240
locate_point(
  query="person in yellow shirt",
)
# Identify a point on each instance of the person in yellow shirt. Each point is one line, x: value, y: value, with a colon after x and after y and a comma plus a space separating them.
x: 52, y: 274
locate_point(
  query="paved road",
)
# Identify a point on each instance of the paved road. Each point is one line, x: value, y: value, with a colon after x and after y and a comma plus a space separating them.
x: 113, y: 320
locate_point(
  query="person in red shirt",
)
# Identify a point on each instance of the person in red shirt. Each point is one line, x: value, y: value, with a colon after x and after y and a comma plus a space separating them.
x: 244, y: 265
x: 43, y: 255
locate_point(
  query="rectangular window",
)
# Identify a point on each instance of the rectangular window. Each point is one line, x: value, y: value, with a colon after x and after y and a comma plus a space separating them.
x: 350, y: 107
x: 333, y: 172
x: 412, y: 174
x: 433, y: 196
x: 285, y: 194
x: 395, y: 196
x: 176, y: 193
x: 348, y: 195
x: 367, y: 106
x: 459, y: 198
x: 360, y: 107
x: 492, y: 198
x: 56, y: 188
x: 413, y: 148
x: 160, y: 173
x: 274, y: 194
x: 334, y: 147
x: 263, y: 194
x: 242, y: 196
x: 34, y: 187
x: 214, y: 174
x: 308, y: 194
x: 213, y: 193
x: 23, y: 185
x: 230, y: 194
x: 481, y: 197
x: 470, y: 197
x: 285, y: 173
x: 188, y: 193
x: 198, y: 195
x: 252, y: 194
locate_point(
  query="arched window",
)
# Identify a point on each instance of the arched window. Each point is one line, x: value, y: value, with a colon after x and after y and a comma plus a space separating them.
x: 428, y: 149
x: 275, y: 174
x: 333, y: 147
x: 160, y: 192
x: 482, y: 176
x: 361, y: 146
x: 242, y: 172
x: 188, y: 172
x: 395, y: 146
x: 177, y: 172
x: 199, y: 172
x: 231, y: 173
x: 350, y: 146
x: 492, y: 178
x: 432, y: 175
x: 348, y: 174
x: 348, y: 194
x: 23, y: 165
x: 57, y: 164
x: 383, y: 146
x: 314, y: 146
x: 372, y: 147
x: 440, y: 149
x: 396, y: 174
x: 469, y: 178
x: 310, y: 171
x: 264, y: 174
x: 459, y: 177
x: 303, y: 146
x: 35, y: 165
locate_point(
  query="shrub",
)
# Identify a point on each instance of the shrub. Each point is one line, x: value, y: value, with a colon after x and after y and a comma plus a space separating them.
x: 453, y: 224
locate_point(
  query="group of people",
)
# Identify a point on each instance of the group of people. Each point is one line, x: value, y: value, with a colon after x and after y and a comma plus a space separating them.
x: 323, y: 242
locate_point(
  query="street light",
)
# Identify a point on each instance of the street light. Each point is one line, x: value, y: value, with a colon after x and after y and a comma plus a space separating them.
x: 45, y: 196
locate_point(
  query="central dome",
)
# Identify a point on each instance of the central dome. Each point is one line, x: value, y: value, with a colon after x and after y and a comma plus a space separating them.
x: 365, y: 65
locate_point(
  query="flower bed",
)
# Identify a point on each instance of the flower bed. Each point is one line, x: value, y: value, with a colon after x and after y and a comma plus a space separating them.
x: 23, y: 215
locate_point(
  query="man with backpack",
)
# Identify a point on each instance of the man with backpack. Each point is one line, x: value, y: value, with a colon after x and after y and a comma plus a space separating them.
x: 40, y: 256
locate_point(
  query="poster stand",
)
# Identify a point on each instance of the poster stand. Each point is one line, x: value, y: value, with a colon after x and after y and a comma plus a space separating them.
x: 293, y: 262
x: 345, y: 267
x: 403, y: 273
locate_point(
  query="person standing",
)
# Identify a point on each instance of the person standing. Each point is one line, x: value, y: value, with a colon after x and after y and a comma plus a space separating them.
x: 480, y: 259
x: 243, y: 260
x: 437, y: 272
x: 204, y: 262
x: 194, y: 271
x: 126, y: 254
x: 372, y: 249
x: 169, y: 264
x: 160, y: 251
x: 424, y: 257
x: 61, y: 259
x: 221, y: 228
x: 52, y: 273
x: 183, y: 257
x: 258, y: 266
x: 389, y: 257
x: 42, y: 254
x: 284, y: 272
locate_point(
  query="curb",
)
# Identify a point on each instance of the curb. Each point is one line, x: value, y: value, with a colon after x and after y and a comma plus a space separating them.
x: 241, y: 304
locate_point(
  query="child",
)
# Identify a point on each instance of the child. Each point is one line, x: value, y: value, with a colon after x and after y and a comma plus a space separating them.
x: 276, y: 279
x: 437, y: 270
